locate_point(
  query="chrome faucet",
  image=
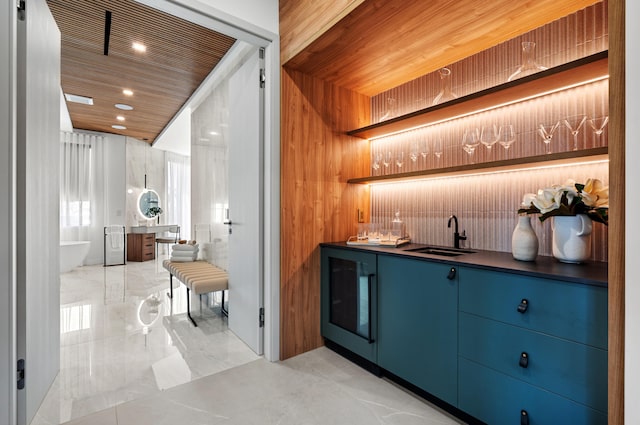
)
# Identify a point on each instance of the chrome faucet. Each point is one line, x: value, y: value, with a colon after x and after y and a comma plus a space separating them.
x: 456, y: 236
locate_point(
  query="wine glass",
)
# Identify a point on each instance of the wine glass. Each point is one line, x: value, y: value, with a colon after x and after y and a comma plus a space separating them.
x: 400, y: 159
x: 376, y: 162
x: 470, y: 141
x: 598, y: 124
x: 386, y: 160
x: 489, y: 135
x: 507, y: 136
x: 413, y: 152
x: 437, y: 148
x: 546, y: 132
x: 574, y: 123
x: 424, y: 149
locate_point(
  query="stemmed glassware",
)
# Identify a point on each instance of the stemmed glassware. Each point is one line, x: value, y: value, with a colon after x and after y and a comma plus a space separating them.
x: 598, y: 124
x: 386, y: 160
x: 470, y: 141
x: 424, y: 149
x: 376, y: 162
x: 413, y: 152
x: 437, y: 148
x: 400, y: 159
x: 489, y: 135
x: 507, y: 136
x: 574, y: 123
x: 546, y: 132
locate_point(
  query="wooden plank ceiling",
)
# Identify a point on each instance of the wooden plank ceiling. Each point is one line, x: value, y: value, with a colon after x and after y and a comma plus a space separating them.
x: 382, y: 44
x: 179, y: 55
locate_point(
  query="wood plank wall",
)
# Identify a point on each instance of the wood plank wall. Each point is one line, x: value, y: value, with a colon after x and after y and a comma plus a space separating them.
x: 617, y: 210
x: 303, y: 21
x: 317, y: 205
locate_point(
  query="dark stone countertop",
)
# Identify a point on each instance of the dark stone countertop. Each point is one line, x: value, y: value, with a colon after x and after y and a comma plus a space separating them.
x: 590, y: 273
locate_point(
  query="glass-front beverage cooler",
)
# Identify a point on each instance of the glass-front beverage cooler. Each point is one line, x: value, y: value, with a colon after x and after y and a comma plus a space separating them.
x: 349, y: 300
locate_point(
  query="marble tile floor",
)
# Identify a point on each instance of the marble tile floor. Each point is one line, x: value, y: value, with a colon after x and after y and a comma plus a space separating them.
x: 122, y: 339
x: 128, y: 356
x: 315, y: 388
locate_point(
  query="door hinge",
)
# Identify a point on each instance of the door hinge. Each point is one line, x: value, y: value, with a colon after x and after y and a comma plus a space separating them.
x: 21, y: 5
x: 263, y: 78
x: 20, y: 374
x: 262, y: 317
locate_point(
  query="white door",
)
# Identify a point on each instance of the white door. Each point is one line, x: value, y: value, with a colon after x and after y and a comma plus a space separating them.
x: 246, y: 125
x: 38, y: 200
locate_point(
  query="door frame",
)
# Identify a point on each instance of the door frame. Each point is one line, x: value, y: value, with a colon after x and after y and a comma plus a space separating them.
x: 8, y: 89
x: 217, y: 20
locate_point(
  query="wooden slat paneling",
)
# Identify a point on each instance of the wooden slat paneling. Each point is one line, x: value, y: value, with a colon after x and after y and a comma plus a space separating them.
x: 317, y: 205
x: 302, y: 21
x: 380, y: 45
x: 179, y: 56
x: 616, y: 210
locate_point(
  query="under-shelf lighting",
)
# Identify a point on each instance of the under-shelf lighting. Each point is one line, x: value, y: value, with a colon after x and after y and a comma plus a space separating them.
x: 489, y: 171
x: 493, y: 107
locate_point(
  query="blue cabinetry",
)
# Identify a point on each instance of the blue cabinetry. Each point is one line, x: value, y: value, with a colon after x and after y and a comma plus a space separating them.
x: 531, y: 345
x: 417, y: 324
x: 501, y: 347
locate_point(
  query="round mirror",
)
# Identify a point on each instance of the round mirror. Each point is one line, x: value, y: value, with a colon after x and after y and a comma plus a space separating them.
x: 149, y: 203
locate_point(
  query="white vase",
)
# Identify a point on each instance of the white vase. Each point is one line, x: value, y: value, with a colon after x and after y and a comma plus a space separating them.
x: 571, y: 238
x: 524, y: 242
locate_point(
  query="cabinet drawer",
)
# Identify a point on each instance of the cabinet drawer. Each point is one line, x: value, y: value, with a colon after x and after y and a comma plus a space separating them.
x: 496, y: 398
x: 572, y: 311
x: 575, y: 371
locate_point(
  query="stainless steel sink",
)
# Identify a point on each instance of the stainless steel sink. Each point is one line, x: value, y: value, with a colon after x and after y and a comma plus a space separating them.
x: 441, y: 250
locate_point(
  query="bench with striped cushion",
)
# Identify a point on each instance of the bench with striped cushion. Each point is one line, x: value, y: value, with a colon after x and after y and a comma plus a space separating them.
x: 200, y: 277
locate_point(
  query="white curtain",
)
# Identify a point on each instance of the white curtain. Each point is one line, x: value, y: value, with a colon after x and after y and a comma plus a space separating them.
x: 82, y: 191
x: 178, y: 196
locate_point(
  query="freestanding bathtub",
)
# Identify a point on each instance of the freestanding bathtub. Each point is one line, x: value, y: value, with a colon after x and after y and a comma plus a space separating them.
x: 72, y: 254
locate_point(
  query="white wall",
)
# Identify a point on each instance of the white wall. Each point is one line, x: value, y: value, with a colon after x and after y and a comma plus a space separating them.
x: 632, y: 236
x: 262, y: 13
x: 7, y: 244
x: 137, y: 154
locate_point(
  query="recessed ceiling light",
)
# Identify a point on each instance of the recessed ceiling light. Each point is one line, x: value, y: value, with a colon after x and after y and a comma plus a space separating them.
x: 120, y: 118
x: 119, y: 127
x: 139, y: 47
x: 128, y: 92
x: 78, y: 99
x: 213, y: 133
x: 124, y: 107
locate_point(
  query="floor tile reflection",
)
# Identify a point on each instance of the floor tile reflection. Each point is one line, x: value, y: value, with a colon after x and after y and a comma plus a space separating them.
x: 315, y: 388
x: 123, y: 339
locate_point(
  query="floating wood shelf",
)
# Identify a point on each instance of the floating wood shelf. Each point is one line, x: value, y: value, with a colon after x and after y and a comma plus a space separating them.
x: 562, y: 158
x: 571, y: 74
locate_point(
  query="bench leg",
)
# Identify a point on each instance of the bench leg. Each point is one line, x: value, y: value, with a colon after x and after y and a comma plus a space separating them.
x: 224, y: 310
x: 189, y: 308
x: 170, y: 295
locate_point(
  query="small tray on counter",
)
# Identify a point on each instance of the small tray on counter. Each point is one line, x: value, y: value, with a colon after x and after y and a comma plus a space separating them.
x: 354, y: 241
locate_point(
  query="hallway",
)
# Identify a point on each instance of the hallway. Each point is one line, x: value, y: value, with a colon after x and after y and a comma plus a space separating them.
x: 122, y: 339
x: 130, y: 357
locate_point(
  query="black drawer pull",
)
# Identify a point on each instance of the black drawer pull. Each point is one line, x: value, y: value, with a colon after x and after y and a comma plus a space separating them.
x: 524, y: 360
x: 524, y: 417
x: 522, y: 307
x: 452, y: 273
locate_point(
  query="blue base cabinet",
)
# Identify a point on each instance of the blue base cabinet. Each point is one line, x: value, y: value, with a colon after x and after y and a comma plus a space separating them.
x: 501, y: 347
x: 418, y: 325
x: 531, y: 347
x: 499, y: 399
